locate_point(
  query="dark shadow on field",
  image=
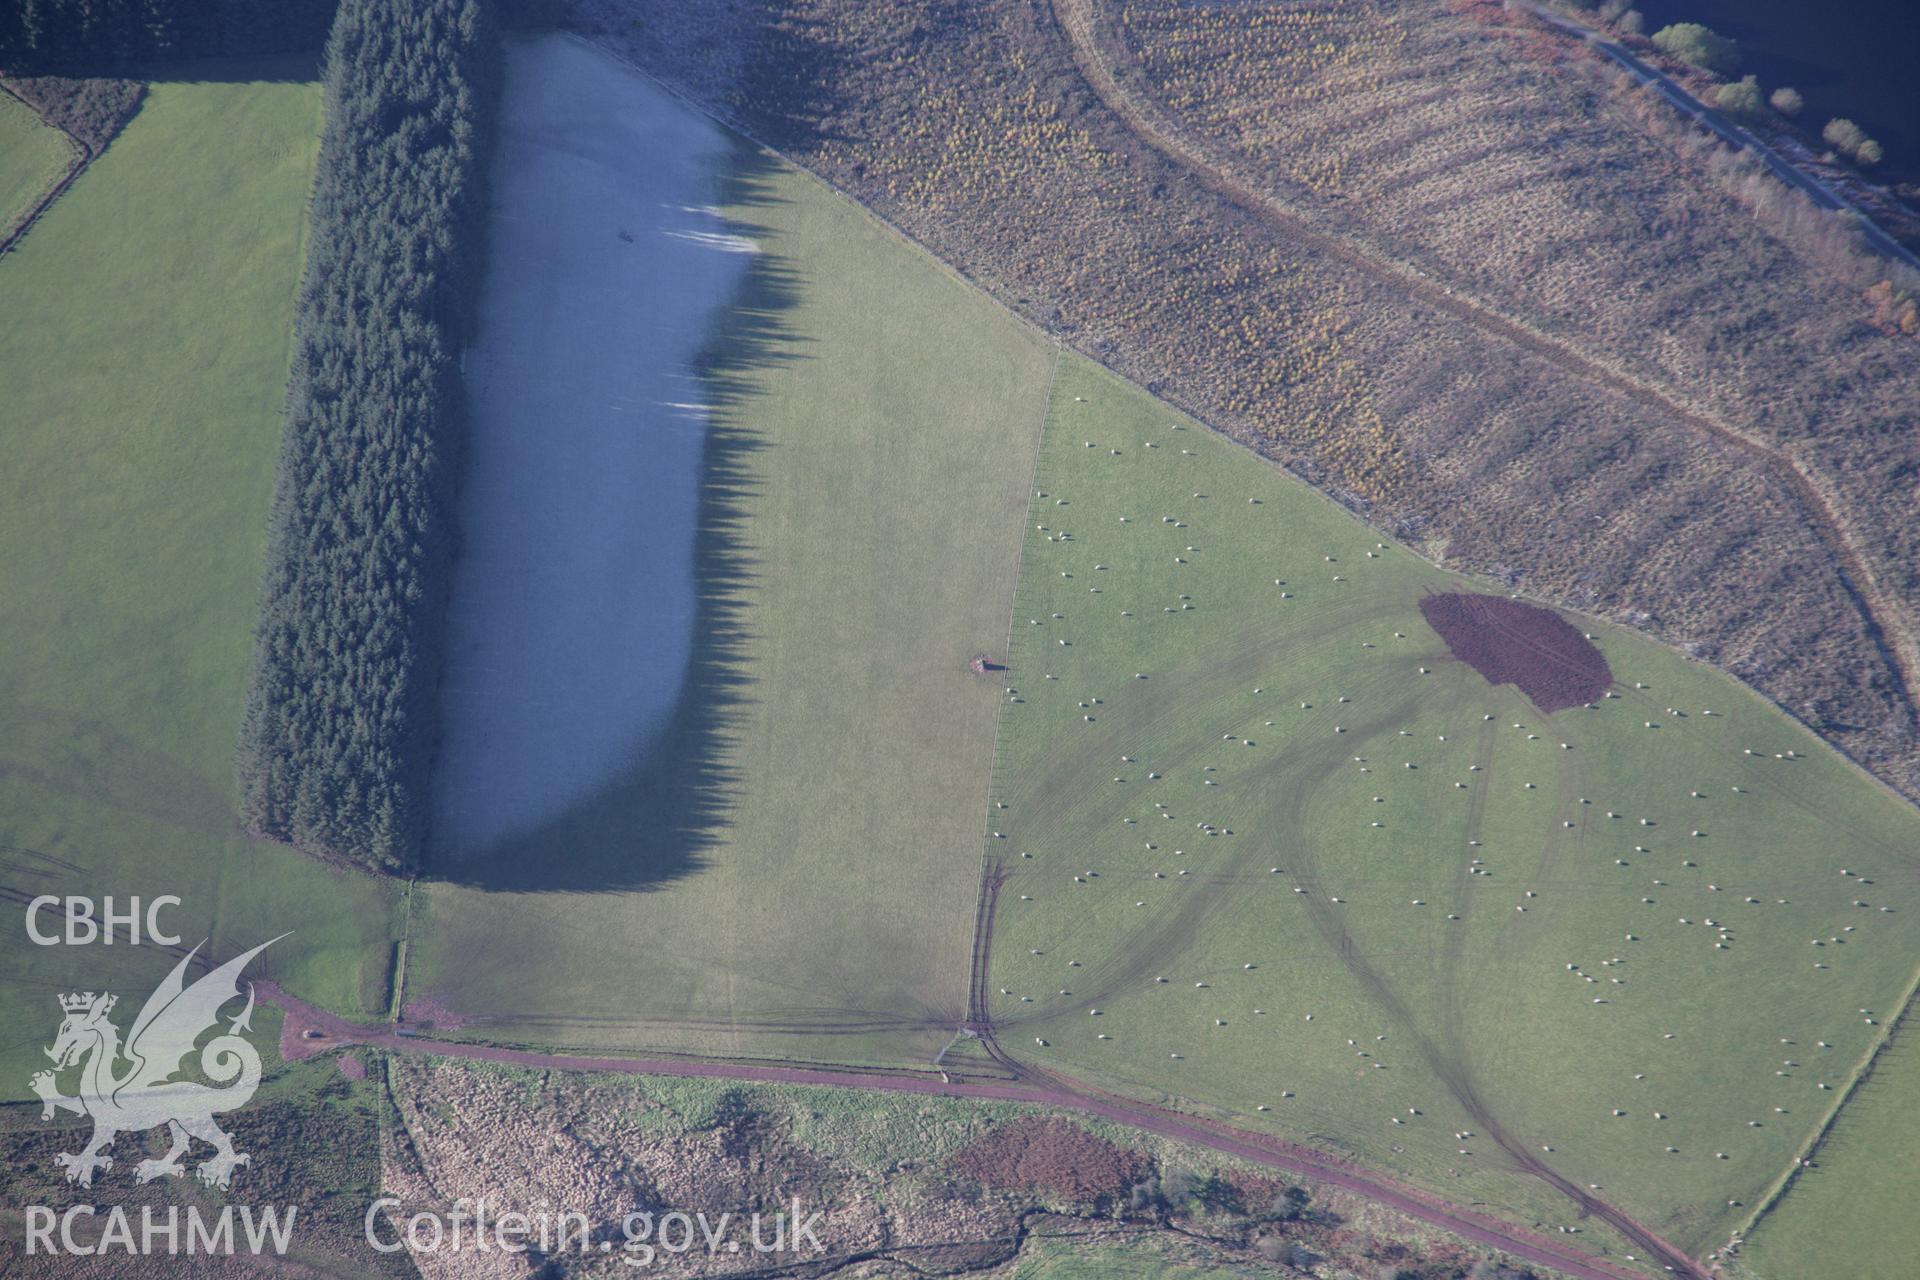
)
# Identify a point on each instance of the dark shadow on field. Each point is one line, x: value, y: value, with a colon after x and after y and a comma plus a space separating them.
x: 267, y: 68
x: 279, y: 68
x: 292, y: 57
x: 657, y: 822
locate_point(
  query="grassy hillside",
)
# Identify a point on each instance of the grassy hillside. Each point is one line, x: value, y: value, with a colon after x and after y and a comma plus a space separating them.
x: 1238, y: 760
x: 1069, y: 157
x: 144, y: 351
x: 32, y: 158
x: 807, y: 834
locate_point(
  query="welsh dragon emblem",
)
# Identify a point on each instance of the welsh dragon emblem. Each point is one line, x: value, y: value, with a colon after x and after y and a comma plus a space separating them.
x: 133, y: 1087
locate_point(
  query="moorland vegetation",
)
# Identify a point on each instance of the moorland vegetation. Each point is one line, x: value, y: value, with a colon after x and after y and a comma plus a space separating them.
x: 1439, y: 261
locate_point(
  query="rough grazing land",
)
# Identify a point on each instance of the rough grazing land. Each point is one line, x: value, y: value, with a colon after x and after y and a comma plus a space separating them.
x: 1513, y: 642
x: 313, y: 1142
x: 905, y: 1186
x: 1052, y: 1155
x: 1465, y: 289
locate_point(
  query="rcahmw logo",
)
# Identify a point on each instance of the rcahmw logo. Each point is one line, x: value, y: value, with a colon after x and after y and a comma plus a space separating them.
x: 134, y: 1085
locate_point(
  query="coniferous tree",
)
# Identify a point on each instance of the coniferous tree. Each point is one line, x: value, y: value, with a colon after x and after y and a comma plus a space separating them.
x: 95, y: 37
x: 334, y: 748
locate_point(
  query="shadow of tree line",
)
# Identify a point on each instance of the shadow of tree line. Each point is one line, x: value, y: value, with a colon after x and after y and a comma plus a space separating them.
x: 658, y: 820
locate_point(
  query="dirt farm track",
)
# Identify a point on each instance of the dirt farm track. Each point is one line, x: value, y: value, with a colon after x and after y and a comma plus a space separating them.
x: 308, y: 1031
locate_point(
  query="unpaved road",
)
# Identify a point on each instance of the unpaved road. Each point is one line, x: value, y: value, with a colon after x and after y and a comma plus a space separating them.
x: 308, y: 1031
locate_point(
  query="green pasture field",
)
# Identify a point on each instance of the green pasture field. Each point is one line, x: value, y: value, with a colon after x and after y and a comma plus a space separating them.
x: 33, y: 156
x: 1199, y: 639
x: 144, y: 347
x: 1148, y: 1257
x: 874, y: 429
x: 1851, y: 1214
x: 1214, y: 672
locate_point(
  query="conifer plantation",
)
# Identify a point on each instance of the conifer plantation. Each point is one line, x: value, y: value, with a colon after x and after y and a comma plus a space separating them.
x: 334, y: 749
x: 110, y: 35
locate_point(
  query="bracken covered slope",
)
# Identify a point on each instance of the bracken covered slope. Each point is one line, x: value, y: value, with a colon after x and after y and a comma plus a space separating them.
x: 1444, y: 268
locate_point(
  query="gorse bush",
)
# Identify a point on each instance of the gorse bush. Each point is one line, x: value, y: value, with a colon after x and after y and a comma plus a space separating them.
x: 1698, y: 46
x: 1849, y: 139
x: 1740, y: 99
x: 334, y: 749
x: 1843, y: 135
